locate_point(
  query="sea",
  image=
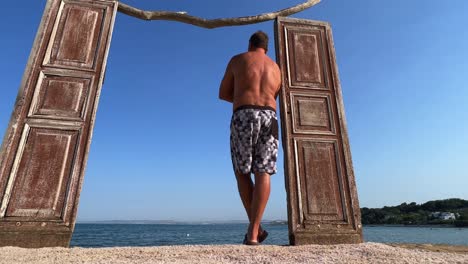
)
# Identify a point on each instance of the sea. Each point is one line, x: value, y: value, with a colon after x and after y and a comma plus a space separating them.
x: 138, y: 235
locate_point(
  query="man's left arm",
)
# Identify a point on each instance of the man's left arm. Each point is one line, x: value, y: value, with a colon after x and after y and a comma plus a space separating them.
x: 226, y: 89
x: 278, y: 91
x: 278, y: 76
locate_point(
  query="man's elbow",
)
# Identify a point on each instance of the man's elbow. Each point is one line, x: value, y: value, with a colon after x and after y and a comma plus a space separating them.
x: 229, y: 100
x: 225, y: 98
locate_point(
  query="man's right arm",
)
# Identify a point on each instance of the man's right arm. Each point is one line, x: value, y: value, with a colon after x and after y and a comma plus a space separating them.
x: 226, y: 89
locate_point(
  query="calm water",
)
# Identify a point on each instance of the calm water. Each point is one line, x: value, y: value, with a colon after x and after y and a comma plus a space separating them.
x: 120, y: 235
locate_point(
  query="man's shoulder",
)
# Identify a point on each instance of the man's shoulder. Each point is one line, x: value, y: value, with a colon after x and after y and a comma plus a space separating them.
x: 272, y: 63
x: 239, y: 56
x: 237, y: 60
x: 270, y: 60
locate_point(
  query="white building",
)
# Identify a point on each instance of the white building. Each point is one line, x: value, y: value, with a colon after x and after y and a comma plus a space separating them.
x: 444, y: 215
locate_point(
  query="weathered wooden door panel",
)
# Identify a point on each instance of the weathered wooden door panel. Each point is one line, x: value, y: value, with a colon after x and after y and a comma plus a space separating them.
x: 44, y: 152
x: 38, y: 188
x: 62, y: 96
x: 322, y: 198
x: 321, y: 180
x: 77, y: 36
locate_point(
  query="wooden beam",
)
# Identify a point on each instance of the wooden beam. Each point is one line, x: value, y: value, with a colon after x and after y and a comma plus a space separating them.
x: 184, y: 17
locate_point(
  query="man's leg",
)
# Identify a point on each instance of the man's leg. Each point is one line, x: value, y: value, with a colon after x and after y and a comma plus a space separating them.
x: 260, y: 198
x: 246, y: 189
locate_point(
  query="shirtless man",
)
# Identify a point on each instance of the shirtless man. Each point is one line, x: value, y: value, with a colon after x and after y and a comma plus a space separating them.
x: 251, y: 83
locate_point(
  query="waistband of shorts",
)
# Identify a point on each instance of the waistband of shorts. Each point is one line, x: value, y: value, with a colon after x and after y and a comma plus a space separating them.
x: 256, y: 107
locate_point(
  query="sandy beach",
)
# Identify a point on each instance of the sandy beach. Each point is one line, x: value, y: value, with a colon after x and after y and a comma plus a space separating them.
x: 361, y: 253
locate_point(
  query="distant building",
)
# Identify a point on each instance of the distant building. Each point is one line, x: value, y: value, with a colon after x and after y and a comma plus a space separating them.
x: 448, y: 216
x: 444, y: 215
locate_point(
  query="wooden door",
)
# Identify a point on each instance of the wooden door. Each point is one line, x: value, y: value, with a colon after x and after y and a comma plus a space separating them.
x: 44, y: 152
x: 321, y: 191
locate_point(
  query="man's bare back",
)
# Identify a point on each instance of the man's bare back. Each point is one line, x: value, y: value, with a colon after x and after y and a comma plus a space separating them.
x: 251, y: 78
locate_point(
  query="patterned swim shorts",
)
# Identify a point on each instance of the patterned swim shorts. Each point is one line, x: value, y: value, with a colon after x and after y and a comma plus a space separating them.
x: 254, y: 139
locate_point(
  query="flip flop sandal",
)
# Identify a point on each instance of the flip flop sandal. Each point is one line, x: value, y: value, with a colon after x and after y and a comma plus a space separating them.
x: 251, y: 243
x: 262, y: 236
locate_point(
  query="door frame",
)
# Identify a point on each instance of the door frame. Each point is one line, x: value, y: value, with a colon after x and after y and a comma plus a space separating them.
x: 30, y: 232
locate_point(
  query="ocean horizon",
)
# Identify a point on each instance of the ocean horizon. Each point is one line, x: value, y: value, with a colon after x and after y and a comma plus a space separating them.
x: 162, y: 222
x: 141, y: 233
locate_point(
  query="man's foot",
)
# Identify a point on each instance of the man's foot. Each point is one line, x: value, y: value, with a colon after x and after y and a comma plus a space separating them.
x: 261, y: 237
x: 251, y: 242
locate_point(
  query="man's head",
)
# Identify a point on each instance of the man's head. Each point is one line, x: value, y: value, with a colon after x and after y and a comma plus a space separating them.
x: 258, y: 39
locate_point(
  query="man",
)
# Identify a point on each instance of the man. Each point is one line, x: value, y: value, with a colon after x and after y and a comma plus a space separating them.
x: 251, y: 83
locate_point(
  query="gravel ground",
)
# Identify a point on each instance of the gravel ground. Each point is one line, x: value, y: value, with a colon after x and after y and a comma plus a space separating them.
x: 361, y: 253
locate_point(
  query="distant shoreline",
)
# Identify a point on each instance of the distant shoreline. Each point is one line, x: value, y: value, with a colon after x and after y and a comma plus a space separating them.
x: 436, y: 226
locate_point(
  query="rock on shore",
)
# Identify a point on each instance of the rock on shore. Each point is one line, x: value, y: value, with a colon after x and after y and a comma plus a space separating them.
x: 361, y: 253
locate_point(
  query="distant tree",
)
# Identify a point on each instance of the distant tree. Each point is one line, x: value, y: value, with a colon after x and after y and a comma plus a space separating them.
x: 463, y: 215
x: 392, y: 210
x: 414, y: 214
x: 444, y: 205
x: 406, y: 208
x: 372, y: 216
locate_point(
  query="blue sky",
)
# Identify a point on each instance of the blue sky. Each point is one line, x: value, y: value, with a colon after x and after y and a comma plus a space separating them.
x: 160, y: 148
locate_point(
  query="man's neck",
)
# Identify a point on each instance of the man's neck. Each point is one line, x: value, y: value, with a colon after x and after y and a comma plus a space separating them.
x: 259, y: 50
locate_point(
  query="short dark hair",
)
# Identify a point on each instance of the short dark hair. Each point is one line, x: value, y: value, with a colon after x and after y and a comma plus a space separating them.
x: 259, y: 39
